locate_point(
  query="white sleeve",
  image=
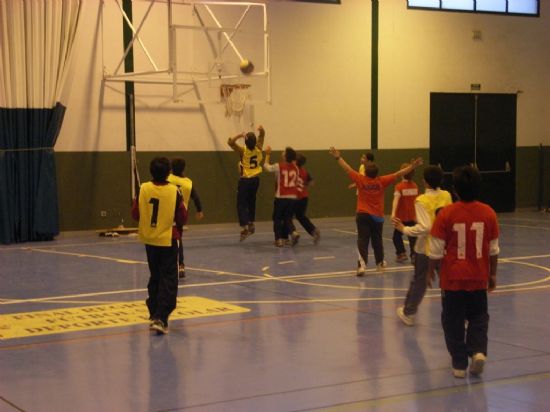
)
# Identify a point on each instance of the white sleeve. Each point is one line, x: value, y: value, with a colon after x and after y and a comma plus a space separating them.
x: 423, y: 222
x: 437, y: 248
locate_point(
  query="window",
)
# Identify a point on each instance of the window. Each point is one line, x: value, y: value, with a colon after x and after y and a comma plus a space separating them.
x: 513, y: 7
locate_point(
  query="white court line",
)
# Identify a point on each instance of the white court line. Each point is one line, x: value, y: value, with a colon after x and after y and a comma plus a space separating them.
x: 286, y: 262
x: 522, y: 258
x: 324, y: 257
x: 529, y: 227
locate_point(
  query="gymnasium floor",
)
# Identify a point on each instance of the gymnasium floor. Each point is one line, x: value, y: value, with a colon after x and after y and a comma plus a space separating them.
x: 260, y: 328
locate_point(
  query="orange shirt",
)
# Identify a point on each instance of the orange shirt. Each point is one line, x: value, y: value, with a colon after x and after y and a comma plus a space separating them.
x: 370, y: 197
x: 408, y: 191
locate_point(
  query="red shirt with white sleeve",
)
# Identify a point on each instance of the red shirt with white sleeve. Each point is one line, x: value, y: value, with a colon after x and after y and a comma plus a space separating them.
x: 464, y: 236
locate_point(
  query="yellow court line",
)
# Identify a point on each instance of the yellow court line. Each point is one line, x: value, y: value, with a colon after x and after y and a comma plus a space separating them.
x: 324, y: 257
x: 380, y: 402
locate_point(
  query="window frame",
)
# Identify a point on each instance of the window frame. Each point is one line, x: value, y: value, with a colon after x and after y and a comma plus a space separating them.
x: 500, y: 13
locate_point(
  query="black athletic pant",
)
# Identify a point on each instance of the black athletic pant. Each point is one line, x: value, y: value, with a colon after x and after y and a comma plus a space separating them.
x: 246, y: 199
x: 398, y: 240
x: 283, y: 209
x: 367, y: 229
x: 462, y: 342
x: 300, y: 209
x: 163, y: 283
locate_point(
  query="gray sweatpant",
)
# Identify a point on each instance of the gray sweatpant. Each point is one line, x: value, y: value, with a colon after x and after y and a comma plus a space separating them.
x: 417, y: 287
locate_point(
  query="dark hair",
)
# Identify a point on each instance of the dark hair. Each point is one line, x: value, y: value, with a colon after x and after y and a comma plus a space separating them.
x: 290, y: 154
x: 159, y: 168
x: 369, y: 156
x: 467, y: 183
x: 300, y: 159
x: 250, y: 140
x: 371, y: 170
x: 178, y: 166
x: 433, y: 176
x: 409, y: 175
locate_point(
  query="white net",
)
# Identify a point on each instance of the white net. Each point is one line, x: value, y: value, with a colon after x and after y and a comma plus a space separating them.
x: 235, y: 97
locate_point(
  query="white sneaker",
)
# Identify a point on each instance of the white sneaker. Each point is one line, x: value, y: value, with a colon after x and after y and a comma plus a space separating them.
x: 406, y: 319
x: 459, y: 373
x: 294, y: 238
x: 478, y: 362
x: 381, y: 266
x: 361, y: 270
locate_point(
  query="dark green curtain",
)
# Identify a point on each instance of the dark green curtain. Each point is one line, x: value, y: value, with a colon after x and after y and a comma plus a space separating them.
x: 28, y: 188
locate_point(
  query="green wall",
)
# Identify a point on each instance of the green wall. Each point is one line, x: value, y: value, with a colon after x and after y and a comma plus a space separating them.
x: 92, y: 182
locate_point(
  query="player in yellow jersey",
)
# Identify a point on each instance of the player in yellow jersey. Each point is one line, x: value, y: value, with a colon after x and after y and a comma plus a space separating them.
x: 187, y: 190
x: 157, y: 207
x: 250, y: 168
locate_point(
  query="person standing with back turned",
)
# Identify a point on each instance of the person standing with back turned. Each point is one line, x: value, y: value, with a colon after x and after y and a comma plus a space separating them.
x: 465, y: 248
x: 426, y: 207
x: 249, y: 169
x: 370, y: 206
x: 157, y: 207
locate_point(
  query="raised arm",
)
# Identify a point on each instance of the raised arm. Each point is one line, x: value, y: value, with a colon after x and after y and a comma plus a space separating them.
x: 232, y: 142
x: 413, y: 165
x: 261, y: 136
x: 267, y: 163
x: 343, y: 164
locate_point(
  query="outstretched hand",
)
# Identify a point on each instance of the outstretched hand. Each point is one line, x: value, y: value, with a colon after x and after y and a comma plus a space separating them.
x: 398, y: 224
x: 334, y: 152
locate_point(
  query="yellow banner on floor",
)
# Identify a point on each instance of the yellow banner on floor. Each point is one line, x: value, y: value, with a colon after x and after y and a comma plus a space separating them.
x: 21, y: 325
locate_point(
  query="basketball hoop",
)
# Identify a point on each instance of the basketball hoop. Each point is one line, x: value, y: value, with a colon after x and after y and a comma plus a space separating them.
x: 235, y: 97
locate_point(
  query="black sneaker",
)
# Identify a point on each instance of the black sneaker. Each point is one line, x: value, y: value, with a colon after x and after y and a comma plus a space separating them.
x: 158, y: 326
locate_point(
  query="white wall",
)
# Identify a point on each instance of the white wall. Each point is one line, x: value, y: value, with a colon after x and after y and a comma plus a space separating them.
x: 428, y: 51
x: 320, y: 62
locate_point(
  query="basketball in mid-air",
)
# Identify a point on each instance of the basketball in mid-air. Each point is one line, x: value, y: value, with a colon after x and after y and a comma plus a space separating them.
x: 246, y: 66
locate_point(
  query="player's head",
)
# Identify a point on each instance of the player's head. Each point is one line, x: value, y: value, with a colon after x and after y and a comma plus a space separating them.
x: 159, y: 168
x: 178, y: 166
x: 433, y: 176
x: 467, y: 183
x: 367, y: 157
x: 371, y: 170
x: 289, y: 154
x: 409, y: 175
x: 300, y: 159
x: 250, y: 140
